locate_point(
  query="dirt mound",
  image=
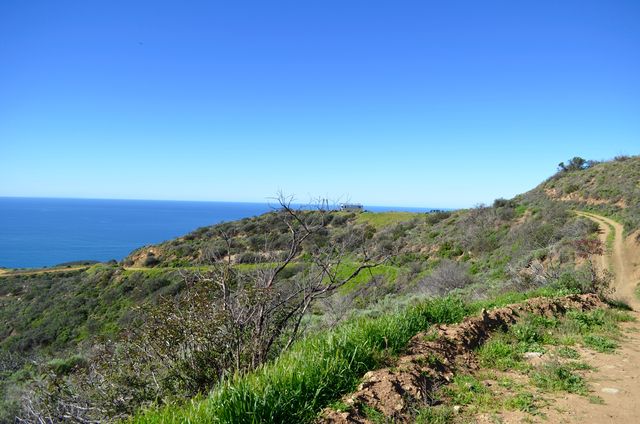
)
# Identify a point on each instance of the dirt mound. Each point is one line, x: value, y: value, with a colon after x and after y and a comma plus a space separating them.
x: 432, y: 358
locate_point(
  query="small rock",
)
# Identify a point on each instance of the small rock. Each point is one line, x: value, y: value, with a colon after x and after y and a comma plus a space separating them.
x: 610, y: 390
x: 457, y: 408
x: 532, y: 355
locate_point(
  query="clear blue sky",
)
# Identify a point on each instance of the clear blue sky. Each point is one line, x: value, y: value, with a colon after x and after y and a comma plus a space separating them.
x: 425, y: 103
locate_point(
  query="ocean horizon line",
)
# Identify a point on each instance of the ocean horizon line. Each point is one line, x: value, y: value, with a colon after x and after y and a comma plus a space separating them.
x: 247, y: 202
x: 46, y: 231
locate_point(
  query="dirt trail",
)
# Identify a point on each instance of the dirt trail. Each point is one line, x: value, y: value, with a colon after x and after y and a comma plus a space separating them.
x: 11, y: 273
x: 616, y: 379
x: 622, y: 260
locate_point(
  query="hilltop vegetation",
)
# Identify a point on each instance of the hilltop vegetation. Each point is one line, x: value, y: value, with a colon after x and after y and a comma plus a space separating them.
x: 611, y: 188
x: 61, y: 326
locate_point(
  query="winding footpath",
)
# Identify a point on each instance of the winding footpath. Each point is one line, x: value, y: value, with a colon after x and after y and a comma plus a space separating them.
x: 622, y: 260
x: 616, y: 379
x: 11, y: 272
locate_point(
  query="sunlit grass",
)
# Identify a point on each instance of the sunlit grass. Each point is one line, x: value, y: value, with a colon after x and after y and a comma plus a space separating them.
x: 383, y: 219
x: 318, y: 370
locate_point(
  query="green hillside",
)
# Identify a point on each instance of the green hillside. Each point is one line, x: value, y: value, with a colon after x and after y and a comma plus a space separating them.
x: 60, y: 328
x: 611, y: 188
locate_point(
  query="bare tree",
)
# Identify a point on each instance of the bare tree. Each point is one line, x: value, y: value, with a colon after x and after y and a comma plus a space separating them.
x: 228, y: 319
x: 266, y: 307
x: 600, y: 283
x: 52, y: 400
x: 448, y: 276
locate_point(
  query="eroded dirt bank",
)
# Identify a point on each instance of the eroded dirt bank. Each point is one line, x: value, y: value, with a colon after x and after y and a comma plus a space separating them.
x: 434, y: 357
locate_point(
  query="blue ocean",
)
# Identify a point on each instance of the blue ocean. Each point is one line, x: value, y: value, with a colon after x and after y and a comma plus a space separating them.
x: 37, y: 232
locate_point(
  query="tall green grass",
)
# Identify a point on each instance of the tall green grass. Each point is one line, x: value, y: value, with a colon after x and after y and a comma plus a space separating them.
x: 317, y: 370
x: 295, y: 386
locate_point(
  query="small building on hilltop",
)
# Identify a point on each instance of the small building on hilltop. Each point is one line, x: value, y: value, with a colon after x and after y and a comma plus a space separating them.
x: 351, y: 207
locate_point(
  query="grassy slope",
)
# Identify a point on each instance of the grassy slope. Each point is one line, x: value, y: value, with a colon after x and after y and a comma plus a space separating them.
x: 611, y: 188
x: 384, y: 219
x: 284, y: 389
x: 53, y: 314
x: 50, y: 312
x: 321, y: 368
x: 96, y: 301
x: 488, y: 243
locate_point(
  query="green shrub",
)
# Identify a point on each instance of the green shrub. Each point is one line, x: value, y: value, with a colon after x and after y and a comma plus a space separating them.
x: 567, y: 352
x: 558, y: 377
x: 570, y: 188
x: 448, y: 250
x: 466, y: 389
x: 524, y: 401
x: 439, y: 414
x: 498, y: 353
x: 150, y: 260
x: 434, y: 217
x: 600, y: 343
x: 65, y: 366
x: 587, y: 321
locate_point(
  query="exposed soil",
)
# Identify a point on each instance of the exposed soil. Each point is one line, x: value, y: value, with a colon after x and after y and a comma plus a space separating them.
x: 575, y: 197
x: 433, y: 358
x: 624, y: 258
x: 616, y: 380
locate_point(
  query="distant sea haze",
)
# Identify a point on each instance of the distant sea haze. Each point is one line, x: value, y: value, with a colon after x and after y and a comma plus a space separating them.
x: 38, y: 232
